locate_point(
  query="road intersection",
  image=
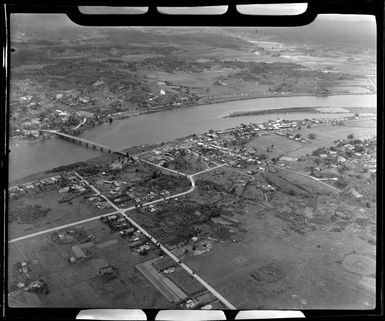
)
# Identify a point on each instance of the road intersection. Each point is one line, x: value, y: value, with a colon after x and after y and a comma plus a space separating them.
x: 124, y: 211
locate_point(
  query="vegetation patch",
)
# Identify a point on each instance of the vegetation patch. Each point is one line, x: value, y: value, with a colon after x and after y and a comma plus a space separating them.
x: 28, y: 213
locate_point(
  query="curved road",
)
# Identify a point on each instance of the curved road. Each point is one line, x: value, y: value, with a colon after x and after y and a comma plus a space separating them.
x: 115, y: 212
x: 124, y: 211
x: 157, y: 243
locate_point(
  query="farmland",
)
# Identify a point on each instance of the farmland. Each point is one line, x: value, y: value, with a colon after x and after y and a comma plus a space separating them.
x: 80, y: 284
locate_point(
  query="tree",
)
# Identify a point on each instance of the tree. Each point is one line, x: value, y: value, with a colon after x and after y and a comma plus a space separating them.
x: 297, y: 136
x: 312, y: 136
x: 359, y: 149
x: 341, y: 183
x: 72, y: 120
x: 350, y: 136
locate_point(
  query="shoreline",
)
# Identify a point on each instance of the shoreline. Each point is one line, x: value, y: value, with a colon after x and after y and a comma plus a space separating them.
x: 195, y: 104
x: 313, y: 110
x: 51, y: 172
x: 137, y: 149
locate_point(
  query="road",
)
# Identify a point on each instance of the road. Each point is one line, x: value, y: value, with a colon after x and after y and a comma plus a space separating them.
x: 242, y: 173
x: 207, y: 170
x: 157, y: 243
x: 81, y: 123
x: 163, y: 168
x: 123, y: 211
x: 190, y: 177
x: 312, y: 177
x: 60, y: 227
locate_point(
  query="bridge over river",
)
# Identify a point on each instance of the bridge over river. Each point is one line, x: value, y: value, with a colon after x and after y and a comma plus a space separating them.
x: 87, y: 143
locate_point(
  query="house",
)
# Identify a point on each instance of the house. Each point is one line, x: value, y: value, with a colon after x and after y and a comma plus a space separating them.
x: 78, y: 252
x: 64, y: 190
x: 354, y: 193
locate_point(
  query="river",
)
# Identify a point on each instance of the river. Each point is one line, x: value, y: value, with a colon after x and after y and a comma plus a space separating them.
x: 29, y: 158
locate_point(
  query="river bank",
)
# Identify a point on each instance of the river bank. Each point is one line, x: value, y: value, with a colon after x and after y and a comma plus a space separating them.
x: 205, y: 101
x: 100, y: 158
x: 26, y: 159
x: 316, y: 110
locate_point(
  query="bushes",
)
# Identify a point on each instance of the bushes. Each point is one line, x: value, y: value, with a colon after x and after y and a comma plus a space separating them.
x: 342, y: 183
x: 319, y: 151
x: 359, y: 149
x: 312, y: 136
x: 28, y: 213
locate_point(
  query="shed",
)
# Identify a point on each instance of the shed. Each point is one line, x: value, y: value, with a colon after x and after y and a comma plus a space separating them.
x: 78, y: 252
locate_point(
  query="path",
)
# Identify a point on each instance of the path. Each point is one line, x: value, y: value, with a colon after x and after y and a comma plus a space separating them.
x: 60, y: 227
x: 312, y: 177
x: 141, y: 229
x: 162, y: 247
x: 241, y: 172
x: 81, y: 123
x: 190, y: 177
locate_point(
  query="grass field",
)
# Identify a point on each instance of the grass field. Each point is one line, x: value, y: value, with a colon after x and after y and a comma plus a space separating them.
x: 325, y: 136
x: 274, y: 267
x: 79, y: 284
x: 59, y: 214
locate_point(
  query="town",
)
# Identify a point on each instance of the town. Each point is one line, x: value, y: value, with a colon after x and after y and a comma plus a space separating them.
x: 123, y: 229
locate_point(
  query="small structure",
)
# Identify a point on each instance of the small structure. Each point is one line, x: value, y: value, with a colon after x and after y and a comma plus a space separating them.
x: 109, y: 272
x: 191, y: 304
x: 79, y: 254
x: 39, y: 286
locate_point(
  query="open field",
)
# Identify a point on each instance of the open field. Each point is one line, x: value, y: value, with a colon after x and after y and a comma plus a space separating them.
x: 60, y: 209
x: 324, y: 135
x: 79, y: 284
x: 274, y: 267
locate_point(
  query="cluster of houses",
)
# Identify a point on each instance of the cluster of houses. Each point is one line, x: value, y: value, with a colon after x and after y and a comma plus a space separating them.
x: 345, y: 151
x: 161, y: 157
x: 122, y: 194
x: 98, y: 201
x: 72, y: 185
x: 30, y: 186
x: 216, y: 145
x: 54, y: 118
x: 124, y: 228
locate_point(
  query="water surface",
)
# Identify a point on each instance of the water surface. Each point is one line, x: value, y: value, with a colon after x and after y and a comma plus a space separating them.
x: 27, y: 159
